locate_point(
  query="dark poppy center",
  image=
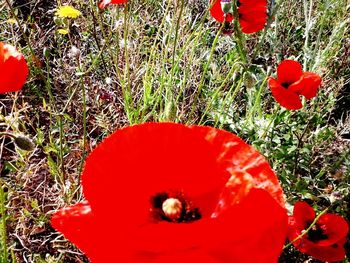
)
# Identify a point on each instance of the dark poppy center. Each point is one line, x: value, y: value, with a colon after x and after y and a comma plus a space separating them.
x: 316, y: 233
x: 174, y: 208
x: 285, y: 85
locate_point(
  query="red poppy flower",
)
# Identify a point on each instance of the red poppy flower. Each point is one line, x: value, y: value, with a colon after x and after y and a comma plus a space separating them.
x: 252, y: 14
x: 13, y: 69
x: 165, y: 192
x: 104, y: 3
x: 292, y: 82
x: 325, y: 241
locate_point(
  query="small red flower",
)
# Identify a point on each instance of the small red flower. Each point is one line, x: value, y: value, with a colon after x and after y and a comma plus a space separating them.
x: 252, y: 14
x: 325, y: 241
x: 165, y: 192
x: 292, y: 82
x: 104, y: 3
x: 13, y: 69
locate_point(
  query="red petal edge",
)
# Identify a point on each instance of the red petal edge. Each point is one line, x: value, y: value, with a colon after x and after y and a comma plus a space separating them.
x: 285, y: 97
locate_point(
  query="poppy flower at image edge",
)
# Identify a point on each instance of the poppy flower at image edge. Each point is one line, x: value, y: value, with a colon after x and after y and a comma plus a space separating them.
x: 13, y: 69
x: 105, y: 3
x: 252, y: 14
x: 325, y: 241
x: 292, y: 82
x: 165, y: 192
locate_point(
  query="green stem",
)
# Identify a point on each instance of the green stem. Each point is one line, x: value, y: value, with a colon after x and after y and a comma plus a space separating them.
x: 228, y: 100
x: 127, y: 86
x: 60, y: 124
x: 240, y: 39
x: 206, y: 67
x: 168, y: 92
x: 215, y: 95
x: 307, y: 13
x: 3, y: 225
x: 8, y: 134
x: 307, y: 230
x: 84, y: 126
x: 270, y: 19
x: 273, y: 118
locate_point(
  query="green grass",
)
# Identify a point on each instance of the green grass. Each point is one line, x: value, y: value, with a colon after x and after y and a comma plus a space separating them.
x: 164, y: 61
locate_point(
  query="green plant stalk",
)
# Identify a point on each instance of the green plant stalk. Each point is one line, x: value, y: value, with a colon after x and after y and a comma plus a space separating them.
x: 176, y: 37
x: 3, y: 227
x: 318, y: 40
x: 257, y: 103
x: 267, y: 27
x: 84, y: 126
x: 206, y: 67
x: 307, y: 13
x: 60, y: 124
x: 8, y: 134
x: 168, y: 90
x: 240, y: 39
x: 228, y: 100
x: 273, y: 118
x: 147, y: 80
x: 300, y: 142
x: 194, y: 36
x: 307, y: 230
x: 127, y: 88
x: 215, y: 96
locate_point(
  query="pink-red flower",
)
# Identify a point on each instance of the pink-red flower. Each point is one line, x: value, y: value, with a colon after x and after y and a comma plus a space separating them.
x: 165, y: 192
x: 13, y: 69
x: 325, y: 241
x: 252, y: 14
x: 104, y: 3
x: 292, y: 82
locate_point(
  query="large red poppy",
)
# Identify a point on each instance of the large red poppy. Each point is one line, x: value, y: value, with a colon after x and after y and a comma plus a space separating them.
x: 228, y: 203
x: 292, y: 82
x: 252, y: 14
x: 104, y: 3
x: 325, y: 241
x: 13, y: 69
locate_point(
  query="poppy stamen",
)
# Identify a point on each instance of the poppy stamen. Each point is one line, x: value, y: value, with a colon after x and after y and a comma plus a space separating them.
x: 173, y: 208
x: 316, y: 233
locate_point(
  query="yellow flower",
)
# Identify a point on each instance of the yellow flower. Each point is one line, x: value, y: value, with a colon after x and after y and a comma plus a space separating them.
x: 67, y: 11
x: 63, y: 31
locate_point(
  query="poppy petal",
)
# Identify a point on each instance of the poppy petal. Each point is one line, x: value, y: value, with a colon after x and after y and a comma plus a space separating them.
x: 285, y: 97
x: 105, y: 3
x: 262, y: 230
x: 310, y: 82
x: 183, y: 167
x: 246, y: 165
x: 133, y: 164
x: 289, y: 71
x: 335, y: 228
x: 333, y: 253
x: 13, y: 69
x: 77, y: 224
x: 228, y: 238
x: 304, y: 214
x: 252, y: 16
x: 217, y: 13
